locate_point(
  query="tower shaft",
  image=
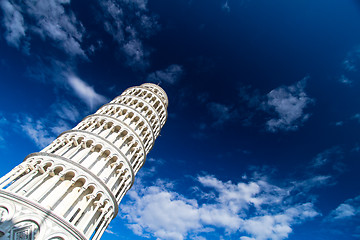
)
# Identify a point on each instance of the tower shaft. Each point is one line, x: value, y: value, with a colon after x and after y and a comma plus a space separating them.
x: 72, y: 188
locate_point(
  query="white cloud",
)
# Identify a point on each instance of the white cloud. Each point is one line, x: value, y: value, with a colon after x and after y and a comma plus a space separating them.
x: 166, y: 214
x: 246, y: 238
x: 278, y: 226
x: 235, y: 196
x: 286, y: 106
x: 85, y: 92
x: 221, y: 217
x: 288, y: 103
x: 170, y: 75
x: 346, y: 211
x: 13, y: 22
x: 345, y: 218
x: 256, y: 210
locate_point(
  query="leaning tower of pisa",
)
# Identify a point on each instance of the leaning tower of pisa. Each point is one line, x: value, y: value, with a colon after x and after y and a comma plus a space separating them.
x: 71, y: 189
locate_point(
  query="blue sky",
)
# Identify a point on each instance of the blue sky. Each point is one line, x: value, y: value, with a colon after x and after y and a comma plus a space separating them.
x: 262, y: 139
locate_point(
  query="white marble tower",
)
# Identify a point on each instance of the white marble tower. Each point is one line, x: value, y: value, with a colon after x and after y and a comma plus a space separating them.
x: 71, y: 190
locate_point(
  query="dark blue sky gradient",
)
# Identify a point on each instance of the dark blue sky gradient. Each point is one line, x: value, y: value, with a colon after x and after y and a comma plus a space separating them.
x: 230, y: 68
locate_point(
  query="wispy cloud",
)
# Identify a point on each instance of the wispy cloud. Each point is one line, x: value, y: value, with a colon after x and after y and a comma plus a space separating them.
x: 345, y: 80
x: 85, y: 92
x: 288, y: 103
x: 285, y: 105
x: 329, y: 164
x: 13, y: 22
x: 135, y: 53
x: 66, y: 111
x: 346, y: 211
x: 56, y: 24
x: 254, y: 210
x: 350, y: 66
x: 60, y: 117
x: 40, y: 130
x: 345, y: 218
x: 328, y: 156
x: 170, y: 75
x: 318, y: 181
x: 2, y: 142
x: 356, y: 117
x: 3, y: 123
x: 339, y: 123
x: 222, y: 113
x: 252, y: 104
x: 279, y: 226
x: 37, y: 131
x: 200, y: 134
x: 128, y: 22
x: 3, y: 120
x: 62, y: 75
x: 46, y: 19
x: 109, y: 230
x: 226, y: 6
x: 54, y: 21
x: 352, y: 60
x: 356, y: 147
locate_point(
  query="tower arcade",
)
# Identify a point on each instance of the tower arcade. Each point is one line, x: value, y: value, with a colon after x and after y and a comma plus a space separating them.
x: 72, y: 188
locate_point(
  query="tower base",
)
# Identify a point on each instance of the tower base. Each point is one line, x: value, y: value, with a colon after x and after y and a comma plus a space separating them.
x: 21, y: 218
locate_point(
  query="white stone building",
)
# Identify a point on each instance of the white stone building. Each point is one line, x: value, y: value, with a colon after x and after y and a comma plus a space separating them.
x: 71, y: 190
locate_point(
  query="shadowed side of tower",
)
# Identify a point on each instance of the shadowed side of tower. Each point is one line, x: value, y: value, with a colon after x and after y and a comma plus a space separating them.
x: 72, y: 188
